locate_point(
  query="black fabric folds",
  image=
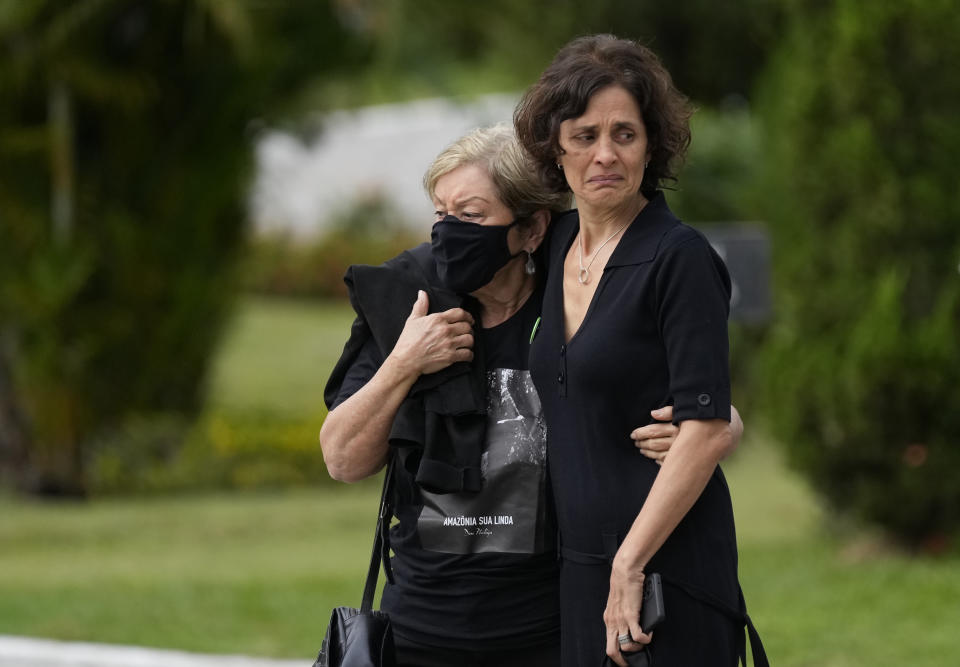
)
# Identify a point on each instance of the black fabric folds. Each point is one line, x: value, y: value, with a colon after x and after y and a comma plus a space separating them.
x: 440, y: 426
x: 634, y: 659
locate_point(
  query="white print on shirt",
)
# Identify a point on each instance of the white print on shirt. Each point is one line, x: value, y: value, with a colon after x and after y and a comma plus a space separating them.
x: 507, y: 514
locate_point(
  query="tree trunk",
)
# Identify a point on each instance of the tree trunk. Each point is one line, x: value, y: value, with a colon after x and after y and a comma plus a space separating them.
x: 14, y: 432
x: 60, y: 119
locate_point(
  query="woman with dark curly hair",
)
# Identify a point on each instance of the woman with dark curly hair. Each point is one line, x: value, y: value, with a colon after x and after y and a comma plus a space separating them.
x: 634, y: 316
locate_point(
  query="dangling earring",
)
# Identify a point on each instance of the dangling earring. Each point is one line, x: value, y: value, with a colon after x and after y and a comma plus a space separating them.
x: 559, y: 166
x: 530, y: 267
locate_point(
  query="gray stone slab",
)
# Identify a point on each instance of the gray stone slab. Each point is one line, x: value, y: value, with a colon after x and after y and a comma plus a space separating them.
x: 28, y: 652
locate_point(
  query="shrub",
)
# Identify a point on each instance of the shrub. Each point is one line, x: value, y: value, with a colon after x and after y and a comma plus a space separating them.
x: 863, y: 364
x: 165, y: 453
x: 720, y: 168
x: 284, y: 265
x: 123, y: 157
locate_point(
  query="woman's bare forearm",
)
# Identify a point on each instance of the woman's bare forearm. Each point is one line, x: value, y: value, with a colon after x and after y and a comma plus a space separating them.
x: 354, y: 435
x: 684, y: 474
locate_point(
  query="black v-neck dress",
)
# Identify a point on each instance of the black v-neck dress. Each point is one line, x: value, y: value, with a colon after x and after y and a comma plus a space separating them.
x: 655, y: 334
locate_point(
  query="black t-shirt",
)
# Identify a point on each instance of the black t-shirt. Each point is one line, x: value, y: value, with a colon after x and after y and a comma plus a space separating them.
x: 479, y: 571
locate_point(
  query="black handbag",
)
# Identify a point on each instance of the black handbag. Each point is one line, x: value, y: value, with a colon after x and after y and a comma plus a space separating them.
x: 364, y: 637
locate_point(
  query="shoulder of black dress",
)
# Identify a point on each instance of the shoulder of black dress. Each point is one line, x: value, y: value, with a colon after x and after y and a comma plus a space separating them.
x: 681, y: 234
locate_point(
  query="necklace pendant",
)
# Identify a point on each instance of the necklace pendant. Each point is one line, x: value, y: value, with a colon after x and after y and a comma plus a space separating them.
x: 583, y: 277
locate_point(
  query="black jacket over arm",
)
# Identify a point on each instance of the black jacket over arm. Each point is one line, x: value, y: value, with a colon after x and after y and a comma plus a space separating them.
x: 440, y: 426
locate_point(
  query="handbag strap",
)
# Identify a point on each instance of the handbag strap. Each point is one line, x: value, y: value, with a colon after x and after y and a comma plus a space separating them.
x: 738, y: 615
x: 379, y: 539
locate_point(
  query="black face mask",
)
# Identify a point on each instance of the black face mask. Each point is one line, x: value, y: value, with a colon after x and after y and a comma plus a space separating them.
x: 469, y: 254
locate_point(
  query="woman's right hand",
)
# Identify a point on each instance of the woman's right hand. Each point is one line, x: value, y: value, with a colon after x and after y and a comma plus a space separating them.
x: 429, y: 343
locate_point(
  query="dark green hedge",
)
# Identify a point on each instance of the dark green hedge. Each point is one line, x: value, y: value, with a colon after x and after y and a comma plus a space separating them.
x: 139, y: 115
x: 862, y: 370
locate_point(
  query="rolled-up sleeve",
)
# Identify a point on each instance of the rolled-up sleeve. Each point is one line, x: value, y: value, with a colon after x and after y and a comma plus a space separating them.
x: 693, y: 293
x: 365, y: 365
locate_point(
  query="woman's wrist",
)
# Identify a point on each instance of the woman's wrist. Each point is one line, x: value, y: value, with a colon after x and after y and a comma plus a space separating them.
x: 629, y: 561
x: 401, y: 369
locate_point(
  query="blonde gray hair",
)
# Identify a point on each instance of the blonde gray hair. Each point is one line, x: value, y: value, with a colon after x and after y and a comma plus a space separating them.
x: 512, y: 170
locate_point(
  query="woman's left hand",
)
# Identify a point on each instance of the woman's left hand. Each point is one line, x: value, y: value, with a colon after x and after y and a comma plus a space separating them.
x: 654, y: 440
x: 622, y: 615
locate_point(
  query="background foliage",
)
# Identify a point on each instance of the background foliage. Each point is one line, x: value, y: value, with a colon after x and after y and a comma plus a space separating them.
x: 123, y: 162
x: 284, y: 265
x: 424, y: 47
x: 264, y: 410
x: 864, y: 358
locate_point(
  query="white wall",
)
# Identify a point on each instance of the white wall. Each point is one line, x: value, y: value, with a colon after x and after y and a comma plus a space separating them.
x: 382, y: 149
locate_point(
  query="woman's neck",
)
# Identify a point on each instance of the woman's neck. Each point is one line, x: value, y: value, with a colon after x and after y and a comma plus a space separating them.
x: 598, y: 223
x: 502, y: 297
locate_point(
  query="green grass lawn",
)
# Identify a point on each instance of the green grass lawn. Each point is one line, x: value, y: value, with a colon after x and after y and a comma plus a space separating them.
x: 258, y: 573
x: 220, y: 573
x: 276, y: 356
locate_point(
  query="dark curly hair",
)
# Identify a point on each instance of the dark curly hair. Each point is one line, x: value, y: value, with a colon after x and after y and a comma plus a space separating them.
x: 582, y: 68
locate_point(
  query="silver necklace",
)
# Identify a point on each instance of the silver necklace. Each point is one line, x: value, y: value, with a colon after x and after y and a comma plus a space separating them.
x: 584, y: 276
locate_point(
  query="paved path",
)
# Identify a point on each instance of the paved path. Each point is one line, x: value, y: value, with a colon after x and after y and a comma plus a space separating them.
x: 24, y: 652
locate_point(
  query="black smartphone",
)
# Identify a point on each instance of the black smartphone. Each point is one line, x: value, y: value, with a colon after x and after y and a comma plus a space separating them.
x: 652, y: 613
